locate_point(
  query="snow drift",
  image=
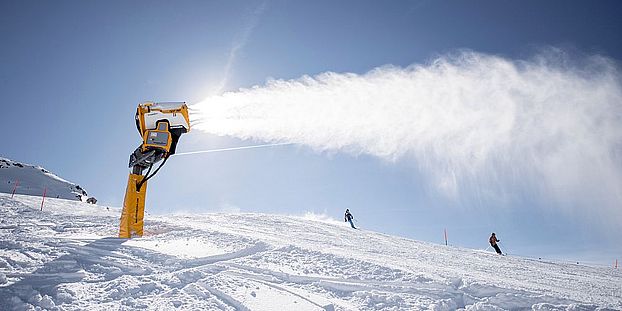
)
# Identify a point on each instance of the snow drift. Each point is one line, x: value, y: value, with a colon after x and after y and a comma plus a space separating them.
x: 481, y: 128
x: 67, y: 258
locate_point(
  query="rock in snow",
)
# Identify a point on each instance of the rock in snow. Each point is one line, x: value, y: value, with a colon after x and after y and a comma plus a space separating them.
x: 67, y: 258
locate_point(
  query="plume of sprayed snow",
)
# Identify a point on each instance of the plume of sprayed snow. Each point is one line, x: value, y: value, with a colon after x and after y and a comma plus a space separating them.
x: 477, y: 125
x: 323, y: 217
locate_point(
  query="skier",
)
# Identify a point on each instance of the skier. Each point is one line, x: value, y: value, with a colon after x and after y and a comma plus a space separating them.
x: 349, y: 217
x: 493, y: 242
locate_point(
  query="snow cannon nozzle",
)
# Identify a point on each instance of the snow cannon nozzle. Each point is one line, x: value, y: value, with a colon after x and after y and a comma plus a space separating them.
x: 160, y: 125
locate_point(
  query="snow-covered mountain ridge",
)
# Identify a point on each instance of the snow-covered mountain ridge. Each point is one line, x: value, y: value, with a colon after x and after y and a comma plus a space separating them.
x: 34, y: 180
x: 67, y: 258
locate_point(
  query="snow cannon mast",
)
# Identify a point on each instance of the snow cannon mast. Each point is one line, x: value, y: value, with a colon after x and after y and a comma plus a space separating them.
x: 160, y: 125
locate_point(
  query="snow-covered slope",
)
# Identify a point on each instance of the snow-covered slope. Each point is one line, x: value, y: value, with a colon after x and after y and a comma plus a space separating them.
x: 66, y: 258
x: 32, y: 180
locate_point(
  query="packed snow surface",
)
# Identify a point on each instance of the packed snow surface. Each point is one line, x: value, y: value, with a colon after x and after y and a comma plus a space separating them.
x: 34, y: 180
x: 67, y: 257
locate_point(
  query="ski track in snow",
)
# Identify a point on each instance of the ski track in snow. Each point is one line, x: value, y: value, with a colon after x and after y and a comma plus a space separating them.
x: 67, y: 258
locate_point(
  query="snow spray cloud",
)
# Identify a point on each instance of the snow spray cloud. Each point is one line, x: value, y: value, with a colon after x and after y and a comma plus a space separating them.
x: 479, y: 126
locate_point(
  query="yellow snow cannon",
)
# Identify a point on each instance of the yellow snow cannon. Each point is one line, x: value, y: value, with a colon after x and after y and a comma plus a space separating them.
x: 160, y: 125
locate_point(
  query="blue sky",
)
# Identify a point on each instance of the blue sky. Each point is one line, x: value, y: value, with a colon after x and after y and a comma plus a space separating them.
x: 73, y: 72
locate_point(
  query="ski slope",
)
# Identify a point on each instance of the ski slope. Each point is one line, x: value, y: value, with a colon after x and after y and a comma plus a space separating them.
x: 34, y: 180
x: 66, y: 257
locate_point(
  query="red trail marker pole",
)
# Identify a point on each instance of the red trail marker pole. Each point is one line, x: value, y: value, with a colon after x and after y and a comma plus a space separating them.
x: 445, y: 236
x: 15, y: 188
x: 44, y: 191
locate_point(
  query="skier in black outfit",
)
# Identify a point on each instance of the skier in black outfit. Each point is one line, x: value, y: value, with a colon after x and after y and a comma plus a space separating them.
x: 349, y: 217
x: 493, y: 242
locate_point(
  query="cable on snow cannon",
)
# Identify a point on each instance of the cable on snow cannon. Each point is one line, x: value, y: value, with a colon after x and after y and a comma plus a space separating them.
x: 160, y: 125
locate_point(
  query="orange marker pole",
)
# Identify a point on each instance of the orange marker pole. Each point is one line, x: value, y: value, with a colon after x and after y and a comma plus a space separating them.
x: 44, y: 191
x: 445, y: 236
x: 15, y: 188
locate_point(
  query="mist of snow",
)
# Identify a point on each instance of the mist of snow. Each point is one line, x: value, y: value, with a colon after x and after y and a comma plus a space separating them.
x: 478, y: 126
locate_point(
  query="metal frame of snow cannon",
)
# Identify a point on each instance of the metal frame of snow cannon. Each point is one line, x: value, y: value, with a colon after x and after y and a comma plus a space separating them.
x: 160, y: 125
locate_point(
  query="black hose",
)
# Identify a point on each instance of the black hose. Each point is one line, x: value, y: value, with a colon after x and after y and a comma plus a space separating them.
x: 147, y: 176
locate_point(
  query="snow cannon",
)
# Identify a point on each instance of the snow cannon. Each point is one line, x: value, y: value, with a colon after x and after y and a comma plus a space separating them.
x: 160, y: 125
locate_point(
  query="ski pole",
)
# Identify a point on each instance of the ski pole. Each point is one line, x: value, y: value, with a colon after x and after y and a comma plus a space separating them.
x: 506, y: 248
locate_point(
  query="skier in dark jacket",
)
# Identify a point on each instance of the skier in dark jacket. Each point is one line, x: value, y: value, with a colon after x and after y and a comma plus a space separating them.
x: 493, y: 242
x: 349, y: 217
